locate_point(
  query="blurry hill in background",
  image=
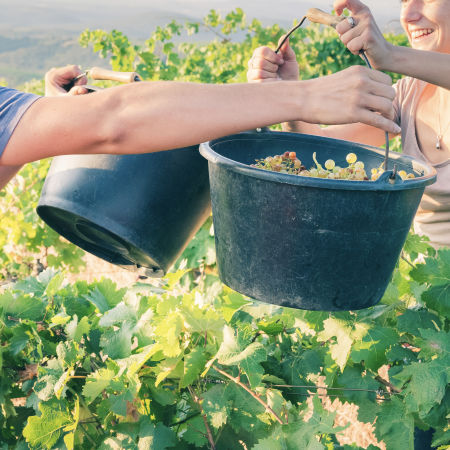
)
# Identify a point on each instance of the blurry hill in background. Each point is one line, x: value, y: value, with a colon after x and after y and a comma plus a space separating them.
x: 25, y: 57
x: 40, y: 34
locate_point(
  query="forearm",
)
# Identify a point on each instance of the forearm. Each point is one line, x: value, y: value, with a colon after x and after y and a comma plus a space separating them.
x: 154, y: 116
x: 303, y: 127
x: 355, y: 132
x: 181, y: 114
x: 150, y: 116
x: 7, y: 173
x: 432, y: 67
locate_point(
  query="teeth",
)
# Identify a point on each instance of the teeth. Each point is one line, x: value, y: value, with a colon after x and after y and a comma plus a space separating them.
x: 419, y: 33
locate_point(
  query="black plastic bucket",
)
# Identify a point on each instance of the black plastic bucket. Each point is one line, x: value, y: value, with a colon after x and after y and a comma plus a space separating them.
x: 136, y: 211
x: 302, y: 242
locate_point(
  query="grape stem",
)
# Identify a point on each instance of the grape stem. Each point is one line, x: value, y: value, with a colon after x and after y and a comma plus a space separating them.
x: 255, y: 396
x: 209, y: 434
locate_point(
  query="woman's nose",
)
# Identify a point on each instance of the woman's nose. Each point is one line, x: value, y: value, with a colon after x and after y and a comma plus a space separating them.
x: 411, y: 10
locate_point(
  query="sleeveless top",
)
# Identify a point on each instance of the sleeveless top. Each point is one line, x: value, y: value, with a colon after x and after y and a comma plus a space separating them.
x: 433, y: 216
x: 13, y: 105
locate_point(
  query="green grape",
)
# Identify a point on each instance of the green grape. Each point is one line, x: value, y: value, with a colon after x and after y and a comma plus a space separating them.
x: 329, y: 164
x: 288, y: 163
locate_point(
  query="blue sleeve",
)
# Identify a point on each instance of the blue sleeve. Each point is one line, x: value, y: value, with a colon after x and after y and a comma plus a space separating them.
x: 13, y: 105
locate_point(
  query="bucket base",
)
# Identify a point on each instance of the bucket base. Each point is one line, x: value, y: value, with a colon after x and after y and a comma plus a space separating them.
x: 100, y: 242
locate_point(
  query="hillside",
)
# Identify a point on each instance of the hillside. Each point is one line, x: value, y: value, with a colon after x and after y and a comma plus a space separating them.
x: 24, y: 57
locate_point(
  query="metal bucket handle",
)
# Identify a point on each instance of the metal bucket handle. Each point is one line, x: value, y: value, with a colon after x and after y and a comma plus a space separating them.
x: 318, y: 16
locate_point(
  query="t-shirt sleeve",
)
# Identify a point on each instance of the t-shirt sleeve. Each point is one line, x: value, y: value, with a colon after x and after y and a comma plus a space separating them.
x: 13, y: 105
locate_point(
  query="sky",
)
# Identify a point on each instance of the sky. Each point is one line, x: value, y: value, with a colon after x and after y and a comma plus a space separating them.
x: 138, y: 17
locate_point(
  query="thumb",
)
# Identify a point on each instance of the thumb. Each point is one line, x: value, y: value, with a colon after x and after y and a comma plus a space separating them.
x: 78, y: 90
x: 286, y: 50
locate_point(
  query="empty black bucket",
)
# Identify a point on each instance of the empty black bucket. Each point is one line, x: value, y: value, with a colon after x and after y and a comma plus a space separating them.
x: 136, y: 211
x: 302, y: 242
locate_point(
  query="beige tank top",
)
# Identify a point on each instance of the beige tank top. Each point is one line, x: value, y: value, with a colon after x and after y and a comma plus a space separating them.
x: 433, y: 216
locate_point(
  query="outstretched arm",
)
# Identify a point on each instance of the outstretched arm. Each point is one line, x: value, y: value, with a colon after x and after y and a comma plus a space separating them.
x: 154, y: 116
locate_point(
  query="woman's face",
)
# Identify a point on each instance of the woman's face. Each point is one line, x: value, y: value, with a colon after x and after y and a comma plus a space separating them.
x: 427, y: 24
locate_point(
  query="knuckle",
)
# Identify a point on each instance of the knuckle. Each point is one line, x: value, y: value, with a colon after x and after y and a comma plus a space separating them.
x: 267, y: 52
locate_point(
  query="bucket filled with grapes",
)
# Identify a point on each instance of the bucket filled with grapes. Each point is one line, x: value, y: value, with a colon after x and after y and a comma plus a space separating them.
x: 310, y: 222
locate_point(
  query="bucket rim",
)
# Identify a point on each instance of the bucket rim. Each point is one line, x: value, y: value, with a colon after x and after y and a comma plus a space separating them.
x: 206, y: 150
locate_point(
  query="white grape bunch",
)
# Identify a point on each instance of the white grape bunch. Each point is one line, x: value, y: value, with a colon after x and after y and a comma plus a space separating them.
x: 290, y: 164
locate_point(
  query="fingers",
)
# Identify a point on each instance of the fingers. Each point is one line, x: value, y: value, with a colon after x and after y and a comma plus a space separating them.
x: 78, y: 90
x: 344, y: 26
x: 268, y: 54
x: 378, y: 103
x: 355, y: 6
x: 264, y: 65
x: 373, y: 82
x: 377, y: 120
x: 286, y: 51
x: 380, y: 77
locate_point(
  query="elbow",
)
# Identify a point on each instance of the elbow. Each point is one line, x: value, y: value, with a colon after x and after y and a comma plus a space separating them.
x: 112, y: 128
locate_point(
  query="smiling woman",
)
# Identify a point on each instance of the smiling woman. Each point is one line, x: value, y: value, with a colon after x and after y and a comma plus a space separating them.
x: 422, y: 102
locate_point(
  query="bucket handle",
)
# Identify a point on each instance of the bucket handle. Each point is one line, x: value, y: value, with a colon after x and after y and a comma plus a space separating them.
x: 318, y: 16
x: 98, y: 73
x: 390, y: 176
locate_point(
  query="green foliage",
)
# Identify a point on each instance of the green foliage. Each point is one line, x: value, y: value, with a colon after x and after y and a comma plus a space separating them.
x: 175, y: 366
x: 167, y: 56
x: 27, y: 245
x: 191, y: 362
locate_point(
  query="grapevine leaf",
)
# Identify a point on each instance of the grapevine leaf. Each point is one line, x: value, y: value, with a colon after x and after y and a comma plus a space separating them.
x: 433, y: 343
x: 134, y: 363
x: 297, y: 368
x: 232, y: 303
x: 399, y: 353
x: 195, y: 433
x: 216, y: 405
x: 153, y: 437
x: 437, y: 298
x: 45, y: 430
x: 30, y: 285
x: 441, y: 437
x: 76, y: 330
x: 427, y: 384
x: 435, y: 271
x: 44, y: 386
x: 204, y: 321
x: 394, y: 426
x: 416, y: 245
x: 118, y: 402
x: 68, y: 353
x: 105, y: 295
x: 234, y: 352
x: 272, y: 443
x: 161, y: 395
x: 22, y: 306
x: 117, y: 344
x: 372, y: 349
x: 169, y: 366
x: 355, y: 378
x: 54, y: 285
x: 340, y: 350
x: 96, y: 383
x: 168, y: 331
x: 19, y: 340
x: 119, y: 314
x: 410, y: 321
x: 194, y: 363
